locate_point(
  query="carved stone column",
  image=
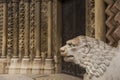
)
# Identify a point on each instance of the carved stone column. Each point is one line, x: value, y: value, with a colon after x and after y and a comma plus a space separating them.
x: 4, y: 44
x: 49, y: 61
x: 37, y: 60
x: 3, y: 22
x: 14, y: 67
x: 100, y: 28
x: 26, y: 60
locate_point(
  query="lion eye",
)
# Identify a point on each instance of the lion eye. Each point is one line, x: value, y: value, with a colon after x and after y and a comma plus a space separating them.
x: 86, y: 46
x: 70, y: 44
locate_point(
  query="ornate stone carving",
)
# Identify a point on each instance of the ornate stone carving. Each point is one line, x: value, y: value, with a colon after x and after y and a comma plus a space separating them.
x: 113, y: 21
x: 99, y: 59
x: 21, y: 28
x: 44, y: 25
x: 10, y: 30
x: 90, y: 25
x: 32, y: 27
x: 15, y: 28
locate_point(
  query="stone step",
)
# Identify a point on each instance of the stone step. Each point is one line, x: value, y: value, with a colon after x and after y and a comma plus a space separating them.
x: 38, y: 77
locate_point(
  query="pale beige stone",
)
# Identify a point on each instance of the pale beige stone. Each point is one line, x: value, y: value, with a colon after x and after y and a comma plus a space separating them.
x: 100, y: 60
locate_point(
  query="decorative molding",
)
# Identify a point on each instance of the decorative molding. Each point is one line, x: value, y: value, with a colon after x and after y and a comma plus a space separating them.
x: 44, y: 25
x: 10, y: 30
x: 32, y: 27
x: 113, y: 22
x: 15, y: 28
x: 21, y: 28
x: 90, y: 18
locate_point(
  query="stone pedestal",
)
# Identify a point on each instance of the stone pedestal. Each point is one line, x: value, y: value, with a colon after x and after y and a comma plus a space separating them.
x: 3, y: 65
x: 49, y: 66
x: 36, y: 66
x: 14, y: 66
x: 25, y: 66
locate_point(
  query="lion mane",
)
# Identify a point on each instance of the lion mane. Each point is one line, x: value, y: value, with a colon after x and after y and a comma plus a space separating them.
x: 97, y: 57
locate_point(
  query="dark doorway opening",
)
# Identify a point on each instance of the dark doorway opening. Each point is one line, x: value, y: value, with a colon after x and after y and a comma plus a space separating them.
x: 73, y: 24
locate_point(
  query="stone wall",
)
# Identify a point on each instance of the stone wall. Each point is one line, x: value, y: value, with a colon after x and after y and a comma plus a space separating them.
x: 27, y: 29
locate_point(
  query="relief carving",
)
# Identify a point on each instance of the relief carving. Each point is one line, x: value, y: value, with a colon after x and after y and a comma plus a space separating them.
x: 44, y: 25
x: 98, y: 58
x: 32, y: 27
x: 21, y: 28
x: 90, y: 28
x: 10, y: 30
x: 113, y: 22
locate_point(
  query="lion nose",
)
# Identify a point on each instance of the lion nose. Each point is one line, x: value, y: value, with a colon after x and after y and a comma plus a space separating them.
x: 62, y: 50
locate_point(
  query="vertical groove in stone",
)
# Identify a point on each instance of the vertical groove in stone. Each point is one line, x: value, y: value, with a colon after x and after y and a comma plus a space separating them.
x: 1, y: 27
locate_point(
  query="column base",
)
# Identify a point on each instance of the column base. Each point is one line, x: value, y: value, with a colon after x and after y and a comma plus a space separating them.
x: 14, y: 66
x: 49, y: 71
x: 49, y: 64
x: 25, y: 66
x: 36, y: 66
x: 3, y: 65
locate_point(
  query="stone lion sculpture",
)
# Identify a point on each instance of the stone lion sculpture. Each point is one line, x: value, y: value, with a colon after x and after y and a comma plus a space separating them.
x: 100, y: 60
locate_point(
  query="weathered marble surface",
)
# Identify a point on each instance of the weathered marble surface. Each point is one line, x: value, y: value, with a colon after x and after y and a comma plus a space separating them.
x: 38, y: 77
x: 100, y: 60
x: 14, y: 77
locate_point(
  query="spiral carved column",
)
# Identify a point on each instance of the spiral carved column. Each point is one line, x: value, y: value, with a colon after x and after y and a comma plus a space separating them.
x: 25, y: 65
x: 14, y: 66
x: 37, y: 60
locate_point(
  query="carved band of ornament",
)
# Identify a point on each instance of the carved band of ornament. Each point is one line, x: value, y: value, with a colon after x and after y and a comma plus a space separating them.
x: 32, y: 24
x: 10, y: 29
x: 21, y: 24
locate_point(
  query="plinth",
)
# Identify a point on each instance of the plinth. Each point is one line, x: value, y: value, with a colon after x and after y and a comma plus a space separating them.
x: 14, y: 66
x: 36, y: 66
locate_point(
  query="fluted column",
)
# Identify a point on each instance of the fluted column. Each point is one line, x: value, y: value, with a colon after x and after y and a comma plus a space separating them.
x: 4, y: 41
x: 100, y: 28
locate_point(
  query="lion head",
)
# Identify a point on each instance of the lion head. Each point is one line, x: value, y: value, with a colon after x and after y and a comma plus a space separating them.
x: 92, y: 54
x: 72, y: 49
